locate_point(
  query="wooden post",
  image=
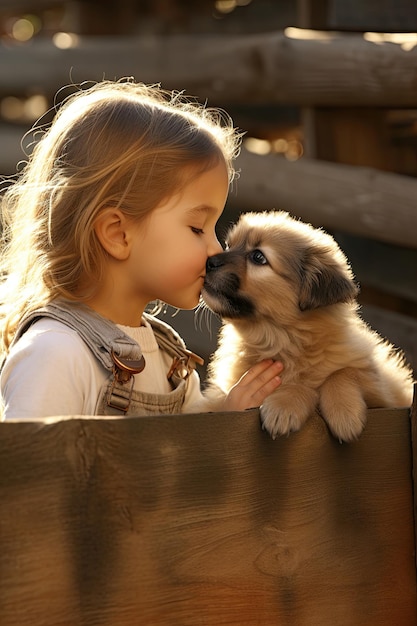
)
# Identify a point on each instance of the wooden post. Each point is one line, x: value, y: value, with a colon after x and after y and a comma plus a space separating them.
x: 414, y: 446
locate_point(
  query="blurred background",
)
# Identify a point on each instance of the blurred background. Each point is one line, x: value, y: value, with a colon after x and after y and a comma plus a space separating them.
x: 325, y: 91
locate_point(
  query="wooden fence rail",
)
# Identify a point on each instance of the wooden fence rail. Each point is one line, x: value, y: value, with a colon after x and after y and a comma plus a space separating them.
x: 296, y: 67
x: 357, y: 200
x: 203, y: 519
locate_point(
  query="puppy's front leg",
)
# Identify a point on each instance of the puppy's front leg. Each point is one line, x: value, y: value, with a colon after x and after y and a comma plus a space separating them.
x: 342, y: 404
x: 287, y: 409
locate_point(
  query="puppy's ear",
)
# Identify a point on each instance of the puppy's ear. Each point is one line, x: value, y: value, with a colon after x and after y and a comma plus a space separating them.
x: 324, y: 280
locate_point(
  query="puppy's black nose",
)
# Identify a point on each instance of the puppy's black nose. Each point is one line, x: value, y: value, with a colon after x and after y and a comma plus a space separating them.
x: 214, y: 262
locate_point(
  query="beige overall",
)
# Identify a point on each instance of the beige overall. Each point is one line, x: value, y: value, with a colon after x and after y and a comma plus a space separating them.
x: 122, y: 357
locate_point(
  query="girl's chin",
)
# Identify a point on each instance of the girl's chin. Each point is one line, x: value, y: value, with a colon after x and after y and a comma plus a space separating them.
x: 186, y: 305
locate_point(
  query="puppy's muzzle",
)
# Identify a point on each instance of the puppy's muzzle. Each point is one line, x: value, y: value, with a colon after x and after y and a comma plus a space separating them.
x: 222, y: 274
x: 214, y: 262
x: 221, y: 289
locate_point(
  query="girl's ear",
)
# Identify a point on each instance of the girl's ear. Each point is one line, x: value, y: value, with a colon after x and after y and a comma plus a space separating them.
x: 111, y: 231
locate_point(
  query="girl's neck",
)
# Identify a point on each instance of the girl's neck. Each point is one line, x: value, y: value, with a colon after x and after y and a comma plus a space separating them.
x: 116, y: 312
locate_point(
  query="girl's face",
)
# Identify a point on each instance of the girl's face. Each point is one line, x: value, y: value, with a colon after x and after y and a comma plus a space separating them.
x: 172, y: 244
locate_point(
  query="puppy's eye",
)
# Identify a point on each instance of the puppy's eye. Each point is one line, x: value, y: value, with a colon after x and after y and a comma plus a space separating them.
x: 258, y: 258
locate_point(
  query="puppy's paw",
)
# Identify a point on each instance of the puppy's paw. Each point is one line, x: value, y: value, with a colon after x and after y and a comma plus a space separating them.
x: 346, y: 425
x: 288, y: 409
x: 281, y: 422
x: 342, y: 405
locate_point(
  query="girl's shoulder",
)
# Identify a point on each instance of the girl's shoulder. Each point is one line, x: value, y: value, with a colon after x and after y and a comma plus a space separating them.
x: 47, y: 338
x: 50, y: 371
x: 47, y: 330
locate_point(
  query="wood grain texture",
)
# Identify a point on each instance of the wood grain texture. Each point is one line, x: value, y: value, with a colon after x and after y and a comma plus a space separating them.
x: 295, y: 67
x: 414, y: 462
x: 203, y: 519
x: 352, y: 199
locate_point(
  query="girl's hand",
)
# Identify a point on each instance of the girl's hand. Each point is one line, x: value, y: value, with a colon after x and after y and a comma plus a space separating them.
x: 254, y: 386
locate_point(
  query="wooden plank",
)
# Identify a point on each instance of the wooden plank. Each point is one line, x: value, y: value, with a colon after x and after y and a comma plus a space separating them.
x: 414, y: 449
x: 296, y: 67
x: 352, y: 199
x: 203, y: 519
x: 355, y: 136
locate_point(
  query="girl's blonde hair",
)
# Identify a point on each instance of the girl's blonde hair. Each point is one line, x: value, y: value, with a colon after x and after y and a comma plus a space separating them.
x: 121, y: 144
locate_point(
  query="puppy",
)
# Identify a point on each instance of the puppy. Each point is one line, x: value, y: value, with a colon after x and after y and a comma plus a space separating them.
x: 285, y: 291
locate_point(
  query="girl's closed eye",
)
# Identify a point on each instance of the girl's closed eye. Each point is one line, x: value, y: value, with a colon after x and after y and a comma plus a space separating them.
x: 197, y: 231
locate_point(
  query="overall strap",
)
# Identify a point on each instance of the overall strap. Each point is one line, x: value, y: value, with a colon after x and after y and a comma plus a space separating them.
x: 109, y: 344
x: 184, y: 361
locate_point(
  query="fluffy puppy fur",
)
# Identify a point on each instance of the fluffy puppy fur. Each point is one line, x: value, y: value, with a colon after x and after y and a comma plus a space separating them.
x: 285, y: 291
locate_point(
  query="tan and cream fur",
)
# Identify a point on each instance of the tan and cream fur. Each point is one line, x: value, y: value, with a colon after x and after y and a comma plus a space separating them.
x: 285, y: 291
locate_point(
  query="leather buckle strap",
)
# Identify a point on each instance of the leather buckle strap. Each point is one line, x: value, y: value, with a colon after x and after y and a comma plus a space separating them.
x: 124, y: 369
x: 182, y: 366
x: 117, y: 400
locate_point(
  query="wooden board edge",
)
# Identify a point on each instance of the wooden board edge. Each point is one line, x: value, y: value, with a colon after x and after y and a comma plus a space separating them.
x: 413, y: 417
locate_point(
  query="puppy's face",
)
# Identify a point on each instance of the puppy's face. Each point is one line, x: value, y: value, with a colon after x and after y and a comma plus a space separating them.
x: 276, y: 267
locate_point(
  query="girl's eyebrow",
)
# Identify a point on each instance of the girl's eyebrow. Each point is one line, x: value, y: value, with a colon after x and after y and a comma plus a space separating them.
x: 201, y: 211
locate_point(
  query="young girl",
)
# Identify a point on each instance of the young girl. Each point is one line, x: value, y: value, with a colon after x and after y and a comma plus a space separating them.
x: 115, y: 209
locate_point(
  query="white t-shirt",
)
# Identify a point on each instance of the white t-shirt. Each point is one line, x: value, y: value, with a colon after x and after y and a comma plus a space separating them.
x: 50, y: 371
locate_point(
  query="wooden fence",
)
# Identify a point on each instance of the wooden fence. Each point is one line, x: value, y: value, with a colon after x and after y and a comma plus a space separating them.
x: 295, y: 66
x: 203, y: 519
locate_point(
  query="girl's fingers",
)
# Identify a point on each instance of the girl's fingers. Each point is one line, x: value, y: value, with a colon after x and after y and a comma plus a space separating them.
x: 259, y: 394
x: 255, y: 385
x: 261, y: 373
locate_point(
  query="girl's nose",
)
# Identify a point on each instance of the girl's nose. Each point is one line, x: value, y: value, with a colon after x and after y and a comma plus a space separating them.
x: 214, y: 247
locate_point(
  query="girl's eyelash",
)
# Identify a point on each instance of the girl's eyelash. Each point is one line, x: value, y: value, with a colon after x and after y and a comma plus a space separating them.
x: 198, y: 231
